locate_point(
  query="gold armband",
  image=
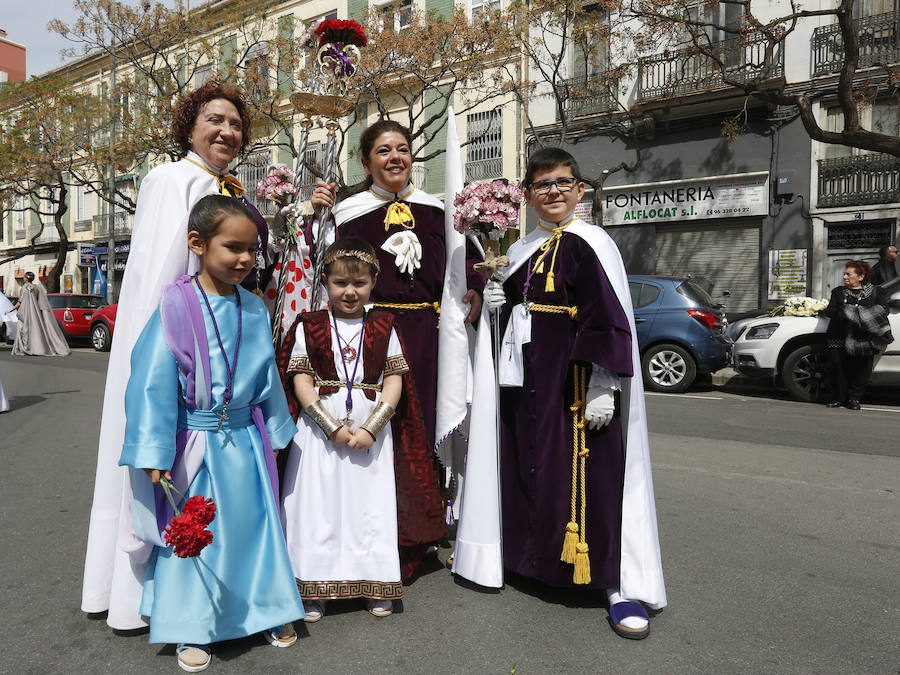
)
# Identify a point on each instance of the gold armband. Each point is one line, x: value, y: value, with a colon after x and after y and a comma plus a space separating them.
x: 380, y: 416
x: 317, y: 413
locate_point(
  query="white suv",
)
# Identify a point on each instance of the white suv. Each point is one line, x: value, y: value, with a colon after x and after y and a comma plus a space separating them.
x: 792, y: 349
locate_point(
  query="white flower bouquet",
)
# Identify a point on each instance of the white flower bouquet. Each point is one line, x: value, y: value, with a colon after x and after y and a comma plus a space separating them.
x: 799, y: 306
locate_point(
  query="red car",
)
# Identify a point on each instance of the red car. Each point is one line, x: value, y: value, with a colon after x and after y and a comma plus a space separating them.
x: 102, y: 325
x: 74, y: 312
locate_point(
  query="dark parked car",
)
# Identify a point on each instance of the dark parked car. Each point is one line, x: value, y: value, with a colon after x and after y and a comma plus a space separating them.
x: 681, y: 331
x: 103, y: 323
x: 75, y: 311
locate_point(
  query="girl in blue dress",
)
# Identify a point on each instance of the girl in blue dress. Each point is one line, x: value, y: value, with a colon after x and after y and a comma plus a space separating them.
x: 205, y: 409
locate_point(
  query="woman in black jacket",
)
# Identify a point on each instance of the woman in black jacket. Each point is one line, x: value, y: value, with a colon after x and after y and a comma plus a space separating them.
x: 858, y: 330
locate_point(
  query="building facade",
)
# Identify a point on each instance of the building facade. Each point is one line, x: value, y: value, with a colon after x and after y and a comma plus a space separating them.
x: 764, y: 214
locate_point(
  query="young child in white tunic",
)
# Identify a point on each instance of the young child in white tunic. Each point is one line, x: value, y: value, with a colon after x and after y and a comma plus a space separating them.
x: 339, y: 491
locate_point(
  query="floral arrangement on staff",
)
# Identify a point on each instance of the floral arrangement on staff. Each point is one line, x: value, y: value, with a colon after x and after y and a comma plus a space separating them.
x: 186, y: 531
x: 278, y: 186
x: 336, y: 43
x: 799, y: 306
x: 487, y: 209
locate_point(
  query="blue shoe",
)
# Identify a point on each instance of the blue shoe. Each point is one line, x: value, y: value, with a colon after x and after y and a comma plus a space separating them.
x: 620, y: 612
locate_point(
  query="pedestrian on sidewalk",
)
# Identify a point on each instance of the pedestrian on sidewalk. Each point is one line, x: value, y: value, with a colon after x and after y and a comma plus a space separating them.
x: 885, y: 269
x: 858, y: 330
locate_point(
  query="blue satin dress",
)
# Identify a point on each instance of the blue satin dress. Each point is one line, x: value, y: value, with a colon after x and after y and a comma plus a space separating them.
x: 242, y: 583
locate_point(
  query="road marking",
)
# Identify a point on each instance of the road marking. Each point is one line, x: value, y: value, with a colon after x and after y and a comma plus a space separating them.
x: 706, y: 398
x: 894, y: 410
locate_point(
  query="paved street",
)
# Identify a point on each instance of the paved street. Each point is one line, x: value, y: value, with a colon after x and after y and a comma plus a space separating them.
x: 778, y: 521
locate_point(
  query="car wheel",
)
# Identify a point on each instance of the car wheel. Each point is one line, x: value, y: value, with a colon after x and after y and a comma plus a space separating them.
x: 805, y: 374
x: 100, y: 337
x: 668, y: 367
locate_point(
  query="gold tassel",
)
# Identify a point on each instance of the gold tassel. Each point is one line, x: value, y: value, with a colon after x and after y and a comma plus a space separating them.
x: 399, y: 213
x: 539, y: 268
x: 569, y: 543
x: 582, y: 564
x: 549, y: 286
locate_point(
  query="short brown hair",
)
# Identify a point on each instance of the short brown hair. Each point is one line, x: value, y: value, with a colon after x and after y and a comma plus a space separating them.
x: 188, y: 108
x: 862, y: 268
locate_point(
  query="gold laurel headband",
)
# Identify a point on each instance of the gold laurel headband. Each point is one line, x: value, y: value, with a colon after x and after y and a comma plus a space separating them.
x: 359, y: 255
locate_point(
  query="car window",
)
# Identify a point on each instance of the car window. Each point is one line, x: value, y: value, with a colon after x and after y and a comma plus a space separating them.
x: 86, y: 302
x: 642, y: 294
x: 694, y: 292
x: 635, y: 289
x: 57, y: 301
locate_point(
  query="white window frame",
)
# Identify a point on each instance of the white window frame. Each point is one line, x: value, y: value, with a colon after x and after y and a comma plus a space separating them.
x: 19, y: 222
x: 478, y: 6
x: 399, y: 10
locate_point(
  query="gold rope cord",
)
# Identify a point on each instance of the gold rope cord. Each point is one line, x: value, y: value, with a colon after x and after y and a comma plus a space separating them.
x: 554, y: 309
x: 582, y: 561
x: 575, y: 547
x: 436, y: 306
x: 570, y: 540
x: 341, y: 383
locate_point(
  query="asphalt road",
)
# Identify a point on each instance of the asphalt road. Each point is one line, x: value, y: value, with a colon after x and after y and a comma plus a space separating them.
x: 778, y: 523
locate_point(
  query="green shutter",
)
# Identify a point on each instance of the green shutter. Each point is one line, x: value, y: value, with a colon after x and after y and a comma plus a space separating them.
x: 357, y: 8
x: 351, y: 143
x: 442, y: 7
x: 435, y: 166
x: 285, y: 77
x: 227, y: 56
x: 283, y: 152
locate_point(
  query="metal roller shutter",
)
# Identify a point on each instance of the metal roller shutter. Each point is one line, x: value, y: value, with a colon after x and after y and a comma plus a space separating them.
x: 725, y: 253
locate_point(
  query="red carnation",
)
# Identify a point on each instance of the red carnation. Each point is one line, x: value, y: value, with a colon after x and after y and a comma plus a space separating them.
x: 342, y: 31
x: 186, y: 531
x: 200, y: 509
x: 187, y: 536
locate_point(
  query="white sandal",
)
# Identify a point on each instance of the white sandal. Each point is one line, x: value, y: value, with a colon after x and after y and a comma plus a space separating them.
x: 380, y: 607
x: 315, y: 610
x: 193, y: 658
x: 281, y: 636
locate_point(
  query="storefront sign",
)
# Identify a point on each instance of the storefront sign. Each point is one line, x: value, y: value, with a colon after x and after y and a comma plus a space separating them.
x: 685, y: 200
x: 86, y: 256
x: 787, y: 273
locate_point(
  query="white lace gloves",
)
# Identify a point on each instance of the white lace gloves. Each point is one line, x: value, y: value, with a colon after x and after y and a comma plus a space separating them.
x: 601, y: 401
x: 493, y: 296
x: 406, y: 249
x: 287, y: 214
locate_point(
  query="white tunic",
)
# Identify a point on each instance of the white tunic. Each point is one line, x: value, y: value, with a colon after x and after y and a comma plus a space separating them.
x: 340, y: 504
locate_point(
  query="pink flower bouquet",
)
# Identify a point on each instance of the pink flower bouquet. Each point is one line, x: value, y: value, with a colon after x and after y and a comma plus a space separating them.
x: 278, y: 186
x: 487, y: 209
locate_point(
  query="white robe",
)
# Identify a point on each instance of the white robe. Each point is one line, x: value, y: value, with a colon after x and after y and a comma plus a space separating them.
x: 340, y: 504
x: 113, y: 576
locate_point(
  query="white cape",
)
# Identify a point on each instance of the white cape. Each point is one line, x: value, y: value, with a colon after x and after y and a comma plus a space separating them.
x: 477, y: 555
x: 115, y: 562
x: 641, y: 576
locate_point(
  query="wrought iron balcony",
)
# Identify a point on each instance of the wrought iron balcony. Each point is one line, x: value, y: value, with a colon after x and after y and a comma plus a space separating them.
x: 484, y: 168
x: 123, y: 224
x: 83, y: 225
x: 686, y: 71
x: 587, y: 96
x: 879, y: 42
x: 859, y: 180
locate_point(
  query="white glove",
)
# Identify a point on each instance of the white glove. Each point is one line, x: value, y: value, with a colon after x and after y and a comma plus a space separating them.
x: 285, y: 218
x: 406, y: 249
x: 600, y: 406
x: 494, y: 297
